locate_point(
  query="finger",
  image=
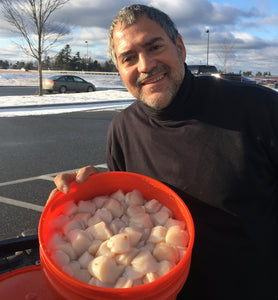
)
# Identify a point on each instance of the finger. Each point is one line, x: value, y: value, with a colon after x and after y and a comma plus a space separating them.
x: 53, y: 192
x: 83, y: 174
x: 62, y: 181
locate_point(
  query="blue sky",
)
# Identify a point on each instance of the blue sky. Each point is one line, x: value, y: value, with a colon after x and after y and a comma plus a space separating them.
x: 248, y: 28
x: 269, y: 15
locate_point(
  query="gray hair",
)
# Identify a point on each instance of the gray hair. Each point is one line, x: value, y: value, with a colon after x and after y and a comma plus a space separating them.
x: 130, y: 14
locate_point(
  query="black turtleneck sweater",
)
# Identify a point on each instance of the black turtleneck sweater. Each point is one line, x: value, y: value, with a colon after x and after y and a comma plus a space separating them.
x: 216, y: 145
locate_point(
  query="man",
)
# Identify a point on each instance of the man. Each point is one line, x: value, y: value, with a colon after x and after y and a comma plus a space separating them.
x: 214, y: 142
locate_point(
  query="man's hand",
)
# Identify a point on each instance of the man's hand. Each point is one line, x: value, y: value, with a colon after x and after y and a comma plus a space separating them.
x: 62, y: 180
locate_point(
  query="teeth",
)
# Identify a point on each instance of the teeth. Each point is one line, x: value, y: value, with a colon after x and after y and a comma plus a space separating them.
x: 156, y: 79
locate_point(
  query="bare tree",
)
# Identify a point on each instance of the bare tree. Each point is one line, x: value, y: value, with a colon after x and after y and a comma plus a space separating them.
x: 226, y: 55
x: 32, y: 20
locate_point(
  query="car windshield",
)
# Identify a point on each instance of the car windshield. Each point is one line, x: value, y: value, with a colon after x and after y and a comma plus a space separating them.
x: 208, y: 69
x: 193, y: 69
x: 55, y: 77
x: 201, y: 69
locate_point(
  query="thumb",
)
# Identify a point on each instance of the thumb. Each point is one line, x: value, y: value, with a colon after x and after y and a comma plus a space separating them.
x: 83, y: 174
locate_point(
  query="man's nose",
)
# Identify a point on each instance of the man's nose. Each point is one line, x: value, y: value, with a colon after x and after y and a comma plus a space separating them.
x: 145, y: 63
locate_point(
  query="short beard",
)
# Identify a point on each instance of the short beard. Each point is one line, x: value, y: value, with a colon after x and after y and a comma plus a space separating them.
x: 172, y: 92
x: 159, y: 104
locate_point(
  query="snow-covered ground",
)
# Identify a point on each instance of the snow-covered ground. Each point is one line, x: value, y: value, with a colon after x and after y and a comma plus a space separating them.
x: 110, y: 94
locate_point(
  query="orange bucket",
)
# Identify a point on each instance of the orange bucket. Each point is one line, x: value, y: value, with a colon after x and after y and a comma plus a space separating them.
x: 25, y: 283
x: 67, y: 287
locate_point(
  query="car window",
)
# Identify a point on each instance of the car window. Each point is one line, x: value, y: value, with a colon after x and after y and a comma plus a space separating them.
x: 78, y: 79
x: 69, y: 78
x: 207, y: 69
x: 193, y: 69
x: 57, y: 77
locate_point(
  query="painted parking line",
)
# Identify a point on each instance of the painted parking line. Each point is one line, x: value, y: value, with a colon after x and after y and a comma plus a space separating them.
x: 49, y: 177
x: 22, y: 204
x: 28, y: 205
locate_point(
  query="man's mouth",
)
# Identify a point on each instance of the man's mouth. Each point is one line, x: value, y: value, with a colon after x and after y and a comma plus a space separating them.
x: 152, y: 79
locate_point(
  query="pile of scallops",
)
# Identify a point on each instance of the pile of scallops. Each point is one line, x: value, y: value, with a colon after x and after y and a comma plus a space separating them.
x: 117, y: 241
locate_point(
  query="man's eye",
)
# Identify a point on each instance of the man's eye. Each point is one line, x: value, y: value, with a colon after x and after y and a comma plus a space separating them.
x: 155, y: 47
x: 128, y: 58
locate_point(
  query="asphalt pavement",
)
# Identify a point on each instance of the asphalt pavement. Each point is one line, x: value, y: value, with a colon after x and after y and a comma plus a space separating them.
x: 34, y: 90
x: 19, y: 90
x: 33, y: 150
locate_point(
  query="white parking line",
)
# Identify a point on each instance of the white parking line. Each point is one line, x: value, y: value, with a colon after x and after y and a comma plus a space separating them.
x: 28, y: 205
x: 17, y: 203
x: 44, y: 177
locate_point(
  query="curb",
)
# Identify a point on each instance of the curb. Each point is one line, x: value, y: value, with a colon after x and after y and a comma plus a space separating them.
x: 65, y: 104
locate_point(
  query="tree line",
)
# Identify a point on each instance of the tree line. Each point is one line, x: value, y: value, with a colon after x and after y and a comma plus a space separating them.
x: 249, y: 73
x: 64, y: 60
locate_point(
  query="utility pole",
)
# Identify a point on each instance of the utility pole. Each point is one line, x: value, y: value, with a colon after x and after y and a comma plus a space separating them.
x: 87, y: 55
x: 207, y: 31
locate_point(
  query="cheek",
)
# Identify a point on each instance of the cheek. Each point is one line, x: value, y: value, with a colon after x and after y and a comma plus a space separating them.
x: 129, y: 78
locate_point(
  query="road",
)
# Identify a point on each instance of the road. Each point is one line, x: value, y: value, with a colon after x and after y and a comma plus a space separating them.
x: 18, y: 90
x: 34, y: 90
x: 33, y: 150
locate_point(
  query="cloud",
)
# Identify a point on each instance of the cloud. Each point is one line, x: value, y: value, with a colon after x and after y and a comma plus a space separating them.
x: 248, y: 28
x: 248, y: 41
x: 94, y: 35
x: 87, y: 13
x: 271, y: 20
x: 186, y: 12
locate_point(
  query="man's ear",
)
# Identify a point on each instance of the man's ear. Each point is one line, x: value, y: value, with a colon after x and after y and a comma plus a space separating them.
x: 181, y: 47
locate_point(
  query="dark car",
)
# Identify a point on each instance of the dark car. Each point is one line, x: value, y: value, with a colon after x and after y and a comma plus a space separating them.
x: 198, y: 70
x: 67, y: 83
x: 248, y: 80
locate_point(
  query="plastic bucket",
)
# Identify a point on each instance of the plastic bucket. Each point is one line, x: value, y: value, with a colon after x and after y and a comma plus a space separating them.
x: 67, y: 287
x: 25, y: 283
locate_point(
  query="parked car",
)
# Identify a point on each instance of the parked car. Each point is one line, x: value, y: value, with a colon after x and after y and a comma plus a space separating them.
x: 210, y: 70
x: 248, y: 80
x: 67, y: 83
x: 231, y: 76
x: 199, y: 70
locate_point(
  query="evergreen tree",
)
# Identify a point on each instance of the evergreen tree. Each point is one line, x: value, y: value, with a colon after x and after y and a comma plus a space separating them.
x: 46, y: 63
x: 63, y: 59
x: 4, y: 64
x: 76, y: 62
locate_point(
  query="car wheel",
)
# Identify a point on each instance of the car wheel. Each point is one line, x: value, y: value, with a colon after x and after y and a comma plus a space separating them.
x: 90, y: 89
x: 62, y: 89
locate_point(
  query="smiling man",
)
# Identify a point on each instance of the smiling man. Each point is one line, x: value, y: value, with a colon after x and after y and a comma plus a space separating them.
x: 150, y: 64
x: 213, y: 141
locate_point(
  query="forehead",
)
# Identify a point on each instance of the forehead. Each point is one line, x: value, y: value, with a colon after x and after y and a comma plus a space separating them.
x: 137, y: 34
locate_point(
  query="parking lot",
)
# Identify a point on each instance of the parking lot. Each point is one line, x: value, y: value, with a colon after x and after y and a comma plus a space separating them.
x: 21, y: 203
x: 33, y: 151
